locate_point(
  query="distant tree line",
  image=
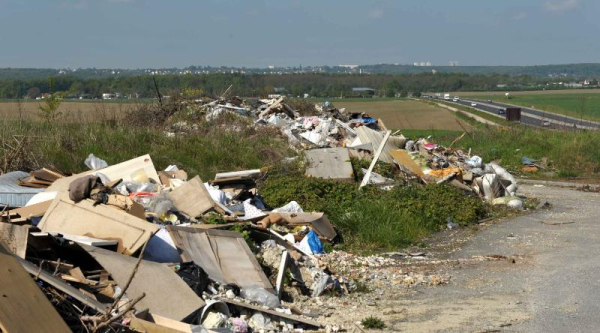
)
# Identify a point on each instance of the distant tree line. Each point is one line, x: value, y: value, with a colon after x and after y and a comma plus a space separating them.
x: 315, y: 85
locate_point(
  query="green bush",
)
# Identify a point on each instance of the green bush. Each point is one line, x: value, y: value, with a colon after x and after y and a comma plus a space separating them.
x: 372, y: 219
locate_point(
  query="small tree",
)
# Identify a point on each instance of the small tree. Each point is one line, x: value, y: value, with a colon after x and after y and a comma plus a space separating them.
x: 416, y: 94
x: 49, y: 110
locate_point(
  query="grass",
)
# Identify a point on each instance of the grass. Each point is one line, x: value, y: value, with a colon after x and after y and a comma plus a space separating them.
x: 373, y: 322
x: 214, y: 147
x: 577, y: 105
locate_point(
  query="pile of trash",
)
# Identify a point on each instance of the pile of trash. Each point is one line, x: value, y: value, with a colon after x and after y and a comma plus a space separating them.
x: 330, y: 137
x: 125, y: 246
x: 131, y: 248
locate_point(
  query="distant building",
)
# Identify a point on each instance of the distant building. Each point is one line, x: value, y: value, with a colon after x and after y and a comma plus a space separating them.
x: 108, y: 96
x: 363, y: 92
x: 573, y: 85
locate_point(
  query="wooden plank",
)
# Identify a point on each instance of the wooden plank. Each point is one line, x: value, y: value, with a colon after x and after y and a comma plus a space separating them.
x: 192, y: 198
x: 86, y: 240
x: 297, y: 319
x: 402, y: 157
x: 62, y: 286
x: 24, y: 307
x: 224, y: 255
x: 38, y: 209
x: 166, y: 293
x: 14, y: 237
x: 125, y: 170
x: 101, y: 221
x: 329, y: 163
x: 365, y: 180
x: 281, y: 272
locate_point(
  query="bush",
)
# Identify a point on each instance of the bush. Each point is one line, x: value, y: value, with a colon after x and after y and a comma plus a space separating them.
x: 373, y: 322
x: 372, y: 219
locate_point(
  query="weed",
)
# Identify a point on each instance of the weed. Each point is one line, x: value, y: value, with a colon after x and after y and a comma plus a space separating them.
x: 373, y: 322
x: 361, y: 287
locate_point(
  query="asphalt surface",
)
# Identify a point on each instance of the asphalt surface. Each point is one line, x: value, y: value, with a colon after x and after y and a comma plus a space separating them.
x: 552, y: 286
x: 531, y: 117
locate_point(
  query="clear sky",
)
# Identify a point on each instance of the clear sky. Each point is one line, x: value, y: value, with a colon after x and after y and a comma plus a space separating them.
x: 179, y: 33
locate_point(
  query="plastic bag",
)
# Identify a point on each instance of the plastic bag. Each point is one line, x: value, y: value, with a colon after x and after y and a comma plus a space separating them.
x: 311, y: 243
x: 475, y: 162
x: 291, y: 207
x: 261, y: 296
x: 95, y: 163
x: 216, y: 194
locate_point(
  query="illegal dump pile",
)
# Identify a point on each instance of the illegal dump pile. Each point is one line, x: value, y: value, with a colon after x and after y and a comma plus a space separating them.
x: 127, y: 248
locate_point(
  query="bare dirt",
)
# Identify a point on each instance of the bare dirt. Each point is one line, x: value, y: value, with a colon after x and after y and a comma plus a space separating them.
x: 407, y: 114
x: 70, y: 111
x: 533, y: 273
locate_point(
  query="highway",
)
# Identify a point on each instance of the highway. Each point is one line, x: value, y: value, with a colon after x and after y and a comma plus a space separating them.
x: 532, y: 117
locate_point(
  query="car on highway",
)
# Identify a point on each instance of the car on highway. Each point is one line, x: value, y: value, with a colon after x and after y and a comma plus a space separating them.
x: 473, y: 104
x: 455, y: 99
x: 545, y: 123
x: 502, y: 111
x: 490, y: 101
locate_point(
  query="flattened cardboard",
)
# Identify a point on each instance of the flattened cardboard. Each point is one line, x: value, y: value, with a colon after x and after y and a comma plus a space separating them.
x: 224, y: 255
x: 14, y: 238
x: 125, y: 170
x: 192, y: 198
x: 24, y: 307
x: 167, y: 294
x: 319, y: 222
x: 100, y: 221
x: 401, y: 157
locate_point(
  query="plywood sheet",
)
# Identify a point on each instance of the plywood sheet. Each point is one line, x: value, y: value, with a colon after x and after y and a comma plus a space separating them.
x: 24, y: 307
x: 329, y: 163
x: 401, y: 156
x: 125, y: 170
x: 101, y: 221
x: 192, y: 198
x: 14, y: 237
x: 167, y: 294
x: 224, y: 255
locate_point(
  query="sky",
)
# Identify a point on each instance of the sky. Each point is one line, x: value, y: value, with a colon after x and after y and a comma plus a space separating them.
x: 253, y: 33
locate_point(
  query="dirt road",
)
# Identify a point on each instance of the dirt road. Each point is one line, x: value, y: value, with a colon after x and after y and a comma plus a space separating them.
x: 550, y: 281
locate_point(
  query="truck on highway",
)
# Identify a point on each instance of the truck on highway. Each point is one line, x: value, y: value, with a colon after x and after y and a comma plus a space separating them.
x: 447, y: 97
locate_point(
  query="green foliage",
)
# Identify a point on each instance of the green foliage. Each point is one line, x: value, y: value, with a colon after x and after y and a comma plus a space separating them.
x: 372, y: 219
x: 373, y: 322
x: 49, y: 111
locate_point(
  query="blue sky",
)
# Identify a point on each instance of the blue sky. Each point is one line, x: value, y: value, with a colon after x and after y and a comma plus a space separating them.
x: 178, y: 33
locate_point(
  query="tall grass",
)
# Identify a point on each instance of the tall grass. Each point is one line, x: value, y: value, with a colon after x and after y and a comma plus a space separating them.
x: 224, y: 145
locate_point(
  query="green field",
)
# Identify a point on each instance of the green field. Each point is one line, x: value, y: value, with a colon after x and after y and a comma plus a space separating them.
x: 578, y: 105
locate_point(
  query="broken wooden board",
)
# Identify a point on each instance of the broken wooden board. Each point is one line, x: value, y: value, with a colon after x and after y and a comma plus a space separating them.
x: 281, y: 272
x: 153, y: 323
x: 14, y: 237
x: 24, y: 307
x: 329, y: 163
x: 318, y: 221
x: 166, y: 293
x: 127, y: 171
x: 192, y: 198
x: 224, y: 255
x: 100, y: 221
x: 402, y: 157
x: 274, y: 313
x: 86, y: 240
x: 35, y: 210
